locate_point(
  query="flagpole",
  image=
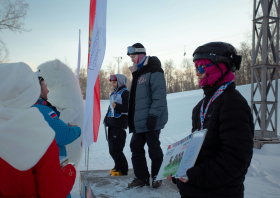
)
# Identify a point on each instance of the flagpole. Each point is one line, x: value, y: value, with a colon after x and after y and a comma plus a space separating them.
x: 79, y: 55
x: 87, y: 158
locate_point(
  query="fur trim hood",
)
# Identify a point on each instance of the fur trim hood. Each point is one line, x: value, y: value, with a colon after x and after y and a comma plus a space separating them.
x: 24, y: 134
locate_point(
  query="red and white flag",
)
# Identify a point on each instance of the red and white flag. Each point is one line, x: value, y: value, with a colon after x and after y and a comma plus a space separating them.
x: 97, y: 45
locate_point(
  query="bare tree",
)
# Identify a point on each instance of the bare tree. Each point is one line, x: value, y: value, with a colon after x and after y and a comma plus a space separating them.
x: 104, y: 84
x: 168, y: 71
x: 83, y: 81
x: 12, y: 15
x: 4, y: 52
x: 243, y: 76
x: 188, y: 67
x: 178, y: 78
x: 125, y: 71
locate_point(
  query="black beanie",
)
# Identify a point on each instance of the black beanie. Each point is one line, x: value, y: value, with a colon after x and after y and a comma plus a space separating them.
x: 139, y: 45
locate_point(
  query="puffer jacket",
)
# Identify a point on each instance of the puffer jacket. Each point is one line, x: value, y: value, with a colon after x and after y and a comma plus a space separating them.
x: 147, y: 96
x: 225, y: 156
x: 63, y: 133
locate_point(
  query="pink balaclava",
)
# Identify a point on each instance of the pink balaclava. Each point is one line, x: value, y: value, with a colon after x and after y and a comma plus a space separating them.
x: 140, y: 57
x: 213, y: 73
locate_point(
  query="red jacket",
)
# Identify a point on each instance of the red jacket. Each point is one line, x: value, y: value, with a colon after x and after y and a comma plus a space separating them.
x: 45, y: 180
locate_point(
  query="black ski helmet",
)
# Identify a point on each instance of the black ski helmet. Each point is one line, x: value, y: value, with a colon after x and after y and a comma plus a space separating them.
x: 219, y: 52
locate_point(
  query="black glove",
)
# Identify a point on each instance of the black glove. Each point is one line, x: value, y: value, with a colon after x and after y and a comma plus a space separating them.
x: 151, y: 123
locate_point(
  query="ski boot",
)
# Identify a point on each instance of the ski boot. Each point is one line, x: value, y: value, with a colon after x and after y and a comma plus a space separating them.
x: 118, y: 173
x: 111, y: 171
x: 139, y: 183
x: 157, y: 183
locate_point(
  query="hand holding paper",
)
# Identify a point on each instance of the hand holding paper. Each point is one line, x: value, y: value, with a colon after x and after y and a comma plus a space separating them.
x: 114, y: 105
x: 181, y: 156
x: 169, y: 177
x: 183, y: 180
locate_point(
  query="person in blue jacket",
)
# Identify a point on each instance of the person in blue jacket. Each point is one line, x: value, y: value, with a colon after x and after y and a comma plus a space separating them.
x: 64, y: 133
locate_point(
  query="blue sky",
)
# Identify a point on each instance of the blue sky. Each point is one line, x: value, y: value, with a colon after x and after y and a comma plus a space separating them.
x: 164, y: 27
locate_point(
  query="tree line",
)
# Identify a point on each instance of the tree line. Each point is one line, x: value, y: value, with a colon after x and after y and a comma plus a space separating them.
x: 178, y: 77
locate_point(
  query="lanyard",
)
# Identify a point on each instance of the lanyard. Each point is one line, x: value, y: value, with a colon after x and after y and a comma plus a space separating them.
x: 216, y: 95
x: 116, y: 93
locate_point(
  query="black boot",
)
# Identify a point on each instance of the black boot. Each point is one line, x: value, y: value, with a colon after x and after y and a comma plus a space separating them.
x: 157, y: 183
x: 139, y: 183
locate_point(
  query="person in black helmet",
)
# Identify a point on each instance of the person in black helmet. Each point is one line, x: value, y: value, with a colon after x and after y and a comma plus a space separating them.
x: 226, y: 153
x: 147, y: 114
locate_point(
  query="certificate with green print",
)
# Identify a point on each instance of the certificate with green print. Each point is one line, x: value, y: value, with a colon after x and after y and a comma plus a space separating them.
x: 181, y: 155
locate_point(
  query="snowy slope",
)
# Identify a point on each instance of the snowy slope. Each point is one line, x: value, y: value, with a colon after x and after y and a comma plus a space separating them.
x: 262, y: 179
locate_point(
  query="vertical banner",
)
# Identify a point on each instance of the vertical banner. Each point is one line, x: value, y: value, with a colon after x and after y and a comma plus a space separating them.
x: 97, y: 45
x: 79, y: 55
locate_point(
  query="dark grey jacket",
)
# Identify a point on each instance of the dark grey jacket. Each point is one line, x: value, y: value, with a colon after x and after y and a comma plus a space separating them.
x: 147, y: 96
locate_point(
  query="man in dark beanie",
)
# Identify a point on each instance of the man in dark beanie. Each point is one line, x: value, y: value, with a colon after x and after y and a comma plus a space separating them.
x: 147, y: 114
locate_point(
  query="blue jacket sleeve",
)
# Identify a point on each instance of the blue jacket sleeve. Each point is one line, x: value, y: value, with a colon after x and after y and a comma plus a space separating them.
x: 63, y: 133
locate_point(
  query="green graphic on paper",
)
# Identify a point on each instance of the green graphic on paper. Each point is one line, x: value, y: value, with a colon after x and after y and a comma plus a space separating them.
x: 173, y: 165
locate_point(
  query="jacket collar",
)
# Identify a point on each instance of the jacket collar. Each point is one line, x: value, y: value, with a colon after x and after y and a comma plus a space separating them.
x: 209, y: 91
x: 134, y: 67
x: 41, y: 101
x: 120, y: 88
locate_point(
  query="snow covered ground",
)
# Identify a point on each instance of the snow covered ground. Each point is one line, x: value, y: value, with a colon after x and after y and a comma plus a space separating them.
x: 262, y: 179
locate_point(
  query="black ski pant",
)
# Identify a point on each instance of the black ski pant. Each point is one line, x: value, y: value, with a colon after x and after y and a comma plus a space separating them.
x: 117, y: 138
x: 139, y: 162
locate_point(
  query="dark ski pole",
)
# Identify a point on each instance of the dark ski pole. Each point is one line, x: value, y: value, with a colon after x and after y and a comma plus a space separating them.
x: 106, y: 134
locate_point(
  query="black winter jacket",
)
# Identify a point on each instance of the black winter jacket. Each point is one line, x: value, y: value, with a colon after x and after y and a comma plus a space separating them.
x: 226, y: 153
x: 120, y: 122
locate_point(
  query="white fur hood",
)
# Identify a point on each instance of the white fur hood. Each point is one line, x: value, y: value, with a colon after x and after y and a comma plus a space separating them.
x: 24, y: 134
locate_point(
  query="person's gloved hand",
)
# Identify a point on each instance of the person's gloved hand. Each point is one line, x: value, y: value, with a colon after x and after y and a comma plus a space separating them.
x: 151, y: 123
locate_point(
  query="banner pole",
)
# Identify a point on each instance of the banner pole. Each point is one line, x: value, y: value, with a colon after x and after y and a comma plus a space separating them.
x: 79, y: 55
x: 87, y: 158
